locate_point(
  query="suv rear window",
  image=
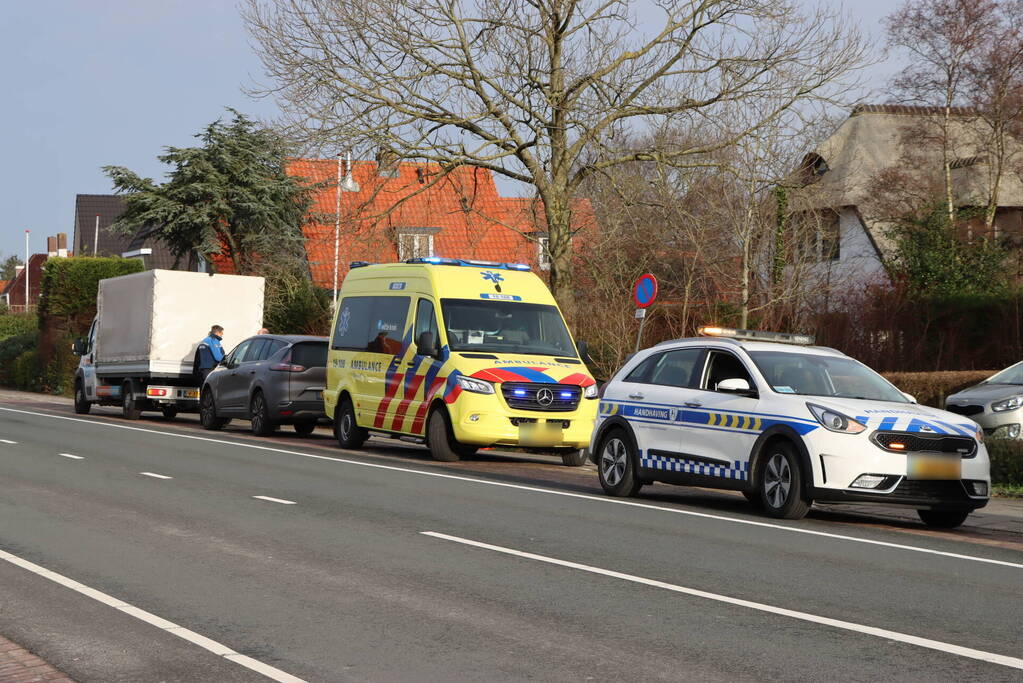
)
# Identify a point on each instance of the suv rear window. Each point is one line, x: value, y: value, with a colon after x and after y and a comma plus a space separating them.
x: 310, y: 354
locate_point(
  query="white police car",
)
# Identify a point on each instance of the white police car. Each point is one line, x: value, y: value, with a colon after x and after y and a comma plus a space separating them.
x: 786, y: 423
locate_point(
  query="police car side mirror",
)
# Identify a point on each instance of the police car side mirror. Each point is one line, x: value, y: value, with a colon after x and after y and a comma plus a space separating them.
x: 735, y: 385
x: 909, y: 397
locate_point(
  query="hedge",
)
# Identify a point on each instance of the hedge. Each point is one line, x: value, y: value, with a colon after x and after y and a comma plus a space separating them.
x: 1006, y: 461
x: 69, y: 285
x: 14, y: 324
x: 932, y: 388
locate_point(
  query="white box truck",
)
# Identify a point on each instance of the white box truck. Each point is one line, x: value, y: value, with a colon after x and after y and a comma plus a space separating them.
x: 141, y: 347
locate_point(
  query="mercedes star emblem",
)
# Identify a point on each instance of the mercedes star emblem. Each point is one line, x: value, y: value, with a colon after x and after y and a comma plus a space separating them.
x: 545, y: 397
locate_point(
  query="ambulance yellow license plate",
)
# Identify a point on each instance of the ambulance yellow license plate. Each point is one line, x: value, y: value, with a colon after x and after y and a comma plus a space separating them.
x: 923, y: 466
x: 540, y: 434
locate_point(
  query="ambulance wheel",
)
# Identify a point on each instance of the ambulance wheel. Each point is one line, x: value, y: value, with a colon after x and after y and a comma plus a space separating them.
x: 943, y: 519
x: 616, y: 465
x: 82, y: 405
x: 129, y: 404
x: 169, y: 412
x: 440, y: 438
x: 780, y: 483
x: 304, y: 428
x: 259, y: 415
x: 575, y: 457
x: 208, y: 412
x: 348, y: 432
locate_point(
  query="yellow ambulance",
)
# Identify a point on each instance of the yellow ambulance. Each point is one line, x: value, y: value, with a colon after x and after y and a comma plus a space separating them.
x: 457, y: 354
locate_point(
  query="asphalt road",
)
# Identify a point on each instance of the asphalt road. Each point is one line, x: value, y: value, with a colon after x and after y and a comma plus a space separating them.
x: 381, y: 565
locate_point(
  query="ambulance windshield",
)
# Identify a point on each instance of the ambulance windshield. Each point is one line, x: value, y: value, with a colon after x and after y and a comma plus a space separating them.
x: 506, y: 327
x: 818, y: 375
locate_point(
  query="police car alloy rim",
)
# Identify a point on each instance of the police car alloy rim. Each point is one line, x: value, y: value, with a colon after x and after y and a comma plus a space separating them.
x: 613, y: 461
x: 777, y: 480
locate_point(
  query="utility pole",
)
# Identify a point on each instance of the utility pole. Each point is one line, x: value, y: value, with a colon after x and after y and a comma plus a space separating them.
x: 27, y: 256
x: 347, y: 185
x: 95, y: 239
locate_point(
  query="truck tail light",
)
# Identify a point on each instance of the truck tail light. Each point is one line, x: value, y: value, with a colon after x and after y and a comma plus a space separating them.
x: 155, y: 392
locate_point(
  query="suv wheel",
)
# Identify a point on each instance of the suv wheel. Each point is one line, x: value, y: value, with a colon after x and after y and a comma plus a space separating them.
x: 262, y: 425
x: 943, y: 519
x: 781, y: 483
x: 208, y: 412
x: 348, y: 432
x: 616, y: 465
x: 82, y: 405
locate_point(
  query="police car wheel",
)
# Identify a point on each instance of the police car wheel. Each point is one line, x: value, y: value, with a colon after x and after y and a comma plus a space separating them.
x: 348, y: 432
x: 781, y: 483
x: 82, y: 405
x: 439, y: 438
x: 754, y: 498
x: 262, y: 425
x: 943, y: 519
x: 616, y: 465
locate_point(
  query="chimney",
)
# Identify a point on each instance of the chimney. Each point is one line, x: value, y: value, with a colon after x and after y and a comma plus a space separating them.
x: 17, y: 271
x: 62, y: 244
x: 387, y: 163
x: 51, y: 246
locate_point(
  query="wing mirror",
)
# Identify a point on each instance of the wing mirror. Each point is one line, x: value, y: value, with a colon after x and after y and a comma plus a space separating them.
x: 426, y: 345
x: 909, y: 397
x: 80, y: 347
x: 584, y: 352
x: 735, y: 385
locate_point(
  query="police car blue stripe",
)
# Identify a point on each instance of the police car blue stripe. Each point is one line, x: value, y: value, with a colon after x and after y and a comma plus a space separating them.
x: 623, y: 402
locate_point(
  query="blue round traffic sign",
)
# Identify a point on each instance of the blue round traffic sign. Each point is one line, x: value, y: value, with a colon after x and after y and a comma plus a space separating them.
x: 645, y: 290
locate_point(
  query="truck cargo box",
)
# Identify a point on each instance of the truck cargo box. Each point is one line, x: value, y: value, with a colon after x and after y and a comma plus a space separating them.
x: 151, y: 322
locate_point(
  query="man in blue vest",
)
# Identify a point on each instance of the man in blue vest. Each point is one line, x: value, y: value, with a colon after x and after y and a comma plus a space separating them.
x: 209, y: 353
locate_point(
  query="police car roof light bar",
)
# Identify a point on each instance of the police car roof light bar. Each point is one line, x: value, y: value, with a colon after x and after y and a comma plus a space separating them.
x: 757, y: 335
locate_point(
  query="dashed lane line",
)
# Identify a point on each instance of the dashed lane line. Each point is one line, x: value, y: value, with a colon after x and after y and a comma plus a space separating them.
x: 154, y: 475
x: 213, y: 646
x: 72, y: 456
x: 8, y: 441
x: 604, y: 500
x: 276, y: 500
x: 1003, y: 660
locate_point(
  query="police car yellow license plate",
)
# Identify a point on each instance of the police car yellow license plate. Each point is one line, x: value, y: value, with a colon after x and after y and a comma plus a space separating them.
x: 540, y: 433
x: 925, y: 466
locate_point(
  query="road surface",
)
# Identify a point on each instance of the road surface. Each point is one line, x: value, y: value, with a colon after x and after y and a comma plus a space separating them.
x: 151, y: 551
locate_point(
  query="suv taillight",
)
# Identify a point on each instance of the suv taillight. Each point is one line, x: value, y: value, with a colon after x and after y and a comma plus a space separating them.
x: 287, y: 367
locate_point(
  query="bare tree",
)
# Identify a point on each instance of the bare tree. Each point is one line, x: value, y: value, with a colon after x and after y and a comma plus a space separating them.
x: 942, y: 37
x: 538, y: 90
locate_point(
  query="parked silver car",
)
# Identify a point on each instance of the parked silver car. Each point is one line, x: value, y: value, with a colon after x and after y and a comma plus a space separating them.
x: 270, y: 379
x: 996, y: 404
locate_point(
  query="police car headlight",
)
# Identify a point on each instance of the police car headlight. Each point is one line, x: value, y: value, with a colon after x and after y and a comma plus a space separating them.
x: 476, y: 386
x: 835, y: 421
x: 1007, y: 404
x: 590, y: 391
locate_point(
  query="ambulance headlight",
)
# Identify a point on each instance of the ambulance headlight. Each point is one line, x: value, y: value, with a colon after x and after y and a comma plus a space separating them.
x: 835, y: 421
x: 476, y: 386
x: 590, y: 391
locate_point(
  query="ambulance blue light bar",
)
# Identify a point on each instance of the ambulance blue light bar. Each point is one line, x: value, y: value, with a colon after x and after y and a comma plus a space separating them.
x: 442, y: 261
x: 359, y: 264
x: 757, y: 335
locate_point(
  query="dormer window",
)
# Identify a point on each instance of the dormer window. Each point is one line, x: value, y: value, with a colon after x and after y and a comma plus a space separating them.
x: 415, y: 242
x: 543, y: 254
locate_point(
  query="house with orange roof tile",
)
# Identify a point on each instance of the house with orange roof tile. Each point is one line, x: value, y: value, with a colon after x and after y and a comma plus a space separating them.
x: 407, y: 210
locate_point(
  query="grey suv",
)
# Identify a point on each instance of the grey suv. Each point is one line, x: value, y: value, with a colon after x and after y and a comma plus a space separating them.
x: 270, y: 379
x: 996, y: 404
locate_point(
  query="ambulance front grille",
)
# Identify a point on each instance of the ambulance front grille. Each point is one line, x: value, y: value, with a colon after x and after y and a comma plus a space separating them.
x: 552, y: 398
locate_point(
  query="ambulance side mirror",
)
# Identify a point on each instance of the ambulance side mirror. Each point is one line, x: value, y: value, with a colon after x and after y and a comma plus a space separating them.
x: 426, y: 345
x: 584, y: 352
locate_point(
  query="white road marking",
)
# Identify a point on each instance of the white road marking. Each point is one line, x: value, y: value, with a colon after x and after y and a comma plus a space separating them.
x: 154, y: 475
x: 72, y: 456
x: 276, y: 500
x: 1003, y: 660
x: 159, y: 622
x: 536, y: 489
x: 8, y: 441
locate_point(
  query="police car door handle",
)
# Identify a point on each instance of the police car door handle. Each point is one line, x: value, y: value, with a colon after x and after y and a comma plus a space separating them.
x: 693, y: 404
x: 636, y: 396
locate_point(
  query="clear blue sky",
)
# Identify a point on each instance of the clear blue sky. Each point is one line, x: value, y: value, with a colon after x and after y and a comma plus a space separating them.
x: 96, y: 82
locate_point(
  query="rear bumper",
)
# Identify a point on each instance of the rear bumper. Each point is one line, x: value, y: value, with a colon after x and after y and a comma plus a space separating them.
x: 300, y: 410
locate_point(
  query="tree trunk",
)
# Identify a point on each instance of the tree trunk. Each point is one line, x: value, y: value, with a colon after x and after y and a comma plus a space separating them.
x: 947, y: 165
x: 559, y: 244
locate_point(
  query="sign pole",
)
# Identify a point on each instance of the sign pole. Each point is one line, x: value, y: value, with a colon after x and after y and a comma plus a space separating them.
x: 641, y: 314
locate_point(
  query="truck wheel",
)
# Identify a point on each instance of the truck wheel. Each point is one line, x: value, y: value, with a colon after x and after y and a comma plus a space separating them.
x: 208, y: 413
x: 943, y: 519
x: 780, y: 483
x: 440, y: 438
x: 304, y: 428
x: 262, y: 425
x: 169, y: 412
x: 348, y: 432
x: 129, y: 404
x: 575, y: 457
x: 82, y: 405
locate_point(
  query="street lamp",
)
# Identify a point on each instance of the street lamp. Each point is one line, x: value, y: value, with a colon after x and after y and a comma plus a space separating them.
x: 348, y: 184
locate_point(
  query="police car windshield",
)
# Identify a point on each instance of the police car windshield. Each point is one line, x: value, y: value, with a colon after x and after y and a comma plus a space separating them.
x: 506, y: 327
x: 812, y: 375
x: 1010, y: 375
